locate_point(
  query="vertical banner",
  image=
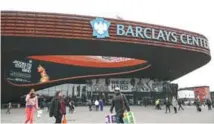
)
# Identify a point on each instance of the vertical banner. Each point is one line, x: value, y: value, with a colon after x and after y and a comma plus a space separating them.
x: 27, y: 71
x: 21, y: 71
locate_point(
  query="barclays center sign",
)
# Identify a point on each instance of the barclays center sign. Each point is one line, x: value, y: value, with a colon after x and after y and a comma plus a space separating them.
x: 101, y: 30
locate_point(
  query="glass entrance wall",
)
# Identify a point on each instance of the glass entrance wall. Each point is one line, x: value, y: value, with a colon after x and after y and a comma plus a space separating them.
x: 134, y: 88
x: 67, y: 90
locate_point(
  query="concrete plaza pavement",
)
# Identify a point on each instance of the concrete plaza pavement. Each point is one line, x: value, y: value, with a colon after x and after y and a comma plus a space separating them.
x: 142, y: 115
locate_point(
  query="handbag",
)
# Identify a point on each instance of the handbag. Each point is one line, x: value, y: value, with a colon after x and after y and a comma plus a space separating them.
x: 129, y: 118
x: 64, y: 121
x: 39, y: 113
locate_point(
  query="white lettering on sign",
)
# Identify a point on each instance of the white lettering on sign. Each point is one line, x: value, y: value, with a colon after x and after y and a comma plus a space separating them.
x: 123, y: 84
x: 26, y: 67
x: 161, y: 35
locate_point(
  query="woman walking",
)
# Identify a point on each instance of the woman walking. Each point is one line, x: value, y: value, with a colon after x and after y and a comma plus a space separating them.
x: 31, y: 105
x: 58, y: 107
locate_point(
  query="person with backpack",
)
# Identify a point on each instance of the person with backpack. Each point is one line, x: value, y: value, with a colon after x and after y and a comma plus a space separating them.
x: 58, y: 107
x: 120, y: 103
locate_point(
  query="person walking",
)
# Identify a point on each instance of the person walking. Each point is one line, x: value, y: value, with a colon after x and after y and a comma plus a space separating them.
x: 145, y: 101
x: 174, y: 104
x: 9, y: 107
x: 180, y: 104
x: 90, y: 104
x: 209, y: 104
x: 101, y: 105
x: 31, y: 105
x: 71, y: 107
x: 57, y: 107
x: 198, y: 104
x: 213, y: 103
x: 167, y: 104
x: 120, y: 103
x: 96, y: 105
x: 157, y: 103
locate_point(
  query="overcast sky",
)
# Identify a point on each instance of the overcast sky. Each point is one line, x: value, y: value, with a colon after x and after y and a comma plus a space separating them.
x: 193, y: 15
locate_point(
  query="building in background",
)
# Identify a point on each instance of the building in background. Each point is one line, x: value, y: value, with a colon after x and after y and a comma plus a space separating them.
x: 201, y: 92
x: 42, y: 50
x: 187, y: 96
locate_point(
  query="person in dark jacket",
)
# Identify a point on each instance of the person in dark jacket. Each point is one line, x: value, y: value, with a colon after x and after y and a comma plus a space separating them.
x: 101, y: 105
x: 198, y: 104
x: 120, y: 103
x: 180, y: 105
x: 90, y: 104
x: 57, y: 107
x: 209, y: 104
x: 71, y: 107
x: 213, y: 103
x: 167, y: 104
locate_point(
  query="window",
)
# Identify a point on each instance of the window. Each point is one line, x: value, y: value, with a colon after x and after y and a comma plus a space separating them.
x: 65, y: 87
x: 52, y: 92
x: 58, y: 88
x: 39, y: 92
x: 64, y: 92
x: 45, y: 92
x: 52, y: 88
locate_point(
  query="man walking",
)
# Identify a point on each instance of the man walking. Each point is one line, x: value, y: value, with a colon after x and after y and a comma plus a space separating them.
x: 198, y: 104
x: 180, y: 105
x: 120, y: 103
x: 90, y: 104
x: 209, y: 104
x: 167, y: 104
x: 157, y: 102
x: 101, y: 105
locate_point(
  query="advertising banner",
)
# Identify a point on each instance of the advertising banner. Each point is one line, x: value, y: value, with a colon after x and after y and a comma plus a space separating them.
x: 202, y: 93
x: 21, y: 71
x: 122, y: 83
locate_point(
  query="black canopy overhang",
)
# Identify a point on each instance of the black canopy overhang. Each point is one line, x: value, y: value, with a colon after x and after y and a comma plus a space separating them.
x: 166, y: 63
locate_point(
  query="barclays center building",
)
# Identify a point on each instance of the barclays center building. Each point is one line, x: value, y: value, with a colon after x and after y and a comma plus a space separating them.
x: 86, y: 57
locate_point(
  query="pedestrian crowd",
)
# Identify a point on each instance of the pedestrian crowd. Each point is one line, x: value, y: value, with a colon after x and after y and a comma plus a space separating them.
x: 57, y: 107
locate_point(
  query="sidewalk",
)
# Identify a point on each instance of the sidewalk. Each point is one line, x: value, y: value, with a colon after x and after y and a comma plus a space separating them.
x: 142, y: 115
